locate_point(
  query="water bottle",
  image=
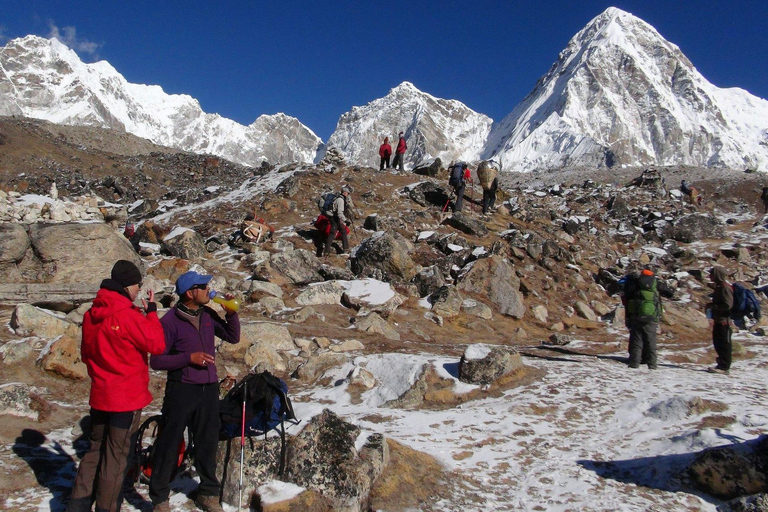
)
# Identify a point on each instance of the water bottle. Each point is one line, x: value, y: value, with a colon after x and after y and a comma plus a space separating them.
x: 218, y: 297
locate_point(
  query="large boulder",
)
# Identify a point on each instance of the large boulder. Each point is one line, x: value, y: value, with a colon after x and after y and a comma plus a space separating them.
x: 371, y: 295
x: 728, y: 472
x: 446, y: 301
x: 323, y: 457
x: 299, y: 266
x: 429, y: 280
x: 328, y: 292
x: 373, y: 323
x: 495, y: 279
x: 467, y: 224
x: 696, y: 226
x: 62, y: 357
x: 27, y: 320
x: 259, y: 334
x: 483, y: 364
x: 184, y: 243
x: 78, y: 253
x: 14, y: 244
x: 386, y: 254
x: 429, y: 193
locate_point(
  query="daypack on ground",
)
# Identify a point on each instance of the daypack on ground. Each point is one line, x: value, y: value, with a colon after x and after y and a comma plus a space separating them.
x: 745, y: 303
x: 457, y: 175
x: 326, y: 201
x: 642, y: 298
x: 144, y: 451
x: 267, y: 407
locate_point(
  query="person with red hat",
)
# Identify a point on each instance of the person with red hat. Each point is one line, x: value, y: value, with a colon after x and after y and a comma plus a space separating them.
x: 116, y: 338
x: 642, y: 301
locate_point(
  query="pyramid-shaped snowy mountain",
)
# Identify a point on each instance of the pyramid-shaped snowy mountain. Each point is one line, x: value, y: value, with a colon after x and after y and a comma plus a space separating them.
x: 620, y: 94
x: 433, y: 127
x: 44, y: 79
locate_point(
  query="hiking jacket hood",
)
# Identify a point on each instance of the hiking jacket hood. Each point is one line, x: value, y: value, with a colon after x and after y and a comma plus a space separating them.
x: 182, y: 339
x: 401, y: 146
x: 116, y: 339
x: 385, y: 150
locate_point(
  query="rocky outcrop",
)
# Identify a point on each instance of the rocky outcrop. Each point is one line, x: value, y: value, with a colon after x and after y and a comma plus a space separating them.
x: 385, y: 256
x: 483, y: 364
x: 323, y: 457
x: 728, y: 472
x: 495, y: 279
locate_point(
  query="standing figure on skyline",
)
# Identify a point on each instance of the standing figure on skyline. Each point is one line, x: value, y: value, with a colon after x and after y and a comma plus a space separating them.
x: 400, y: 152
x: 385, y: 151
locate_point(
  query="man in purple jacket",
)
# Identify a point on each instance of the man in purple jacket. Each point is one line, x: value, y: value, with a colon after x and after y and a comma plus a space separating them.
x: 192, y: 391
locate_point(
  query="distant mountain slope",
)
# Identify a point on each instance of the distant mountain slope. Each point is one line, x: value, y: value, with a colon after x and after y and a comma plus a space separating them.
x: 433, y: 127
x: 620, y: 94
x: 44, y: 79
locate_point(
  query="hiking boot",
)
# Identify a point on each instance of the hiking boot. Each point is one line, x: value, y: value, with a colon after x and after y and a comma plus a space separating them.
x: 208, y: 503
x: 721, y: 371
x: 162, y: 507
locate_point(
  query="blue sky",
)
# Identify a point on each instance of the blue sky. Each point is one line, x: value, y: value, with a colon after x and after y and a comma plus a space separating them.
x: 316, y: 60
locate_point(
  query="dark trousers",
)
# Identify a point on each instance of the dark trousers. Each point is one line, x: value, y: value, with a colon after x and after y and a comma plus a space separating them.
x: 101, y: 473
x: 196, y: 406
x: 721, y: 339
x: 398, y: 161
x: 384, y: 160
x: 489, y: 196
x: 642, y: 343
x: 459, y: 191
x: 336, y: 227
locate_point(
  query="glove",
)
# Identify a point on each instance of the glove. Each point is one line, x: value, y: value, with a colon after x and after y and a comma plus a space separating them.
x: 347, y: 222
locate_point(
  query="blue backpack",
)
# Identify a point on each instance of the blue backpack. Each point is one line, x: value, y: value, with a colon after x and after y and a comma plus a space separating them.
x: 457, y: 175
x: 745, y: 303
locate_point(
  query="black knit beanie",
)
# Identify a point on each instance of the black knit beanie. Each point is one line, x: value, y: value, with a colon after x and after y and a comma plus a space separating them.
x: 126, y: 273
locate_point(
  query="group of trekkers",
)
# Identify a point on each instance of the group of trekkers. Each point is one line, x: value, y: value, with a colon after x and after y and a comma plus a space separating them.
x: 385, y: 151
x: 641, y: 294
x: 117, y: 335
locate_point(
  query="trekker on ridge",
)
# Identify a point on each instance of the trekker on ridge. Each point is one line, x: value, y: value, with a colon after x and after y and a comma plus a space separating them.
x: 385, y: 151
x: 400, y: 152
x: 336, y: 214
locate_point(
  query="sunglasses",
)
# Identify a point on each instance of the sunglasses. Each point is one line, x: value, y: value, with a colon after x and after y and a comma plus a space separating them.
x: 199, y: 287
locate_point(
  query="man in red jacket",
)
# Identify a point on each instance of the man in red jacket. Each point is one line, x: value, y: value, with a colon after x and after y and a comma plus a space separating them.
x: 385, y: 151
x: 116, y: 338
x: 400, y: 152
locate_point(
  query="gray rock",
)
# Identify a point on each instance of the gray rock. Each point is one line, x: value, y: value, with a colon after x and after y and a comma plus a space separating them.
x: 728, y: 472
x: 15, y: 351
x: 318, y: 365
x: 323, y: 457
x: 446, y: 301
x: 495, y: 279
x: 558, y: 339
x: 187, y: 244
x: 483, y: 364
x: 467, y: 224
x: 696, y: 226
x: 428, y: 280
x: 540, y: 313
x: 301, y: 267
x: 585, y: 311
x: 265, y: 287
x: 259, y: 334
x: 475, y: 308
x: 28, y: 320
x: 387, y: 253
x: 16, y: 399
x: 328, y: 292
x: 373, y: 323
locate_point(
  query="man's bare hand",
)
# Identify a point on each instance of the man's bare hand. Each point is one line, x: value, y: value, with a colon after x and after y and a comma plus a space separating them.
x: 201, y: 359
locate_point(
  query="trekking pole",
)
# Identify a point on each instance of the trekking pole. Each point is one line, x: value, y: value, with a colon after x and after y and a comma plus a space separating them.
x: 242, y: 452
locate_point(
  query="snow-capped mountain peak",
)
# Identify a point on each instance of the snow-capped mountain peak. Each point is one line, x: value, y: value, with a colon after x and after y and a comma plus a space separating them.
x: 43, y: 79
x: 620, y: 94
x: 432, y: 127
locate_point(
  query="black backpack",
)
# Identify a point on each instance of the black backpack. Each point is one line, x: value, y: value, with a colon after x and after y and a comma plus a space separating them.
x: 457, y: 175
x: 267, y: 407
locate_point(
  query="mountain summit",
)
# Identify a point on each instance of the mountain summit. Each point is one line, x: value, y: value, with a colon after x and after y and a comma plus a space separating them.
x: 620, y: 94
x: 44, y: 79
x: 433, y: 127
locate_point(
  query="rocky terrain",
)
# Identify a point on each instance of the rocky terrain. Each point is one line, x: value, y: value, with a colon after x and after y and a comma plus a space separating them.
x: 453, y: 357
